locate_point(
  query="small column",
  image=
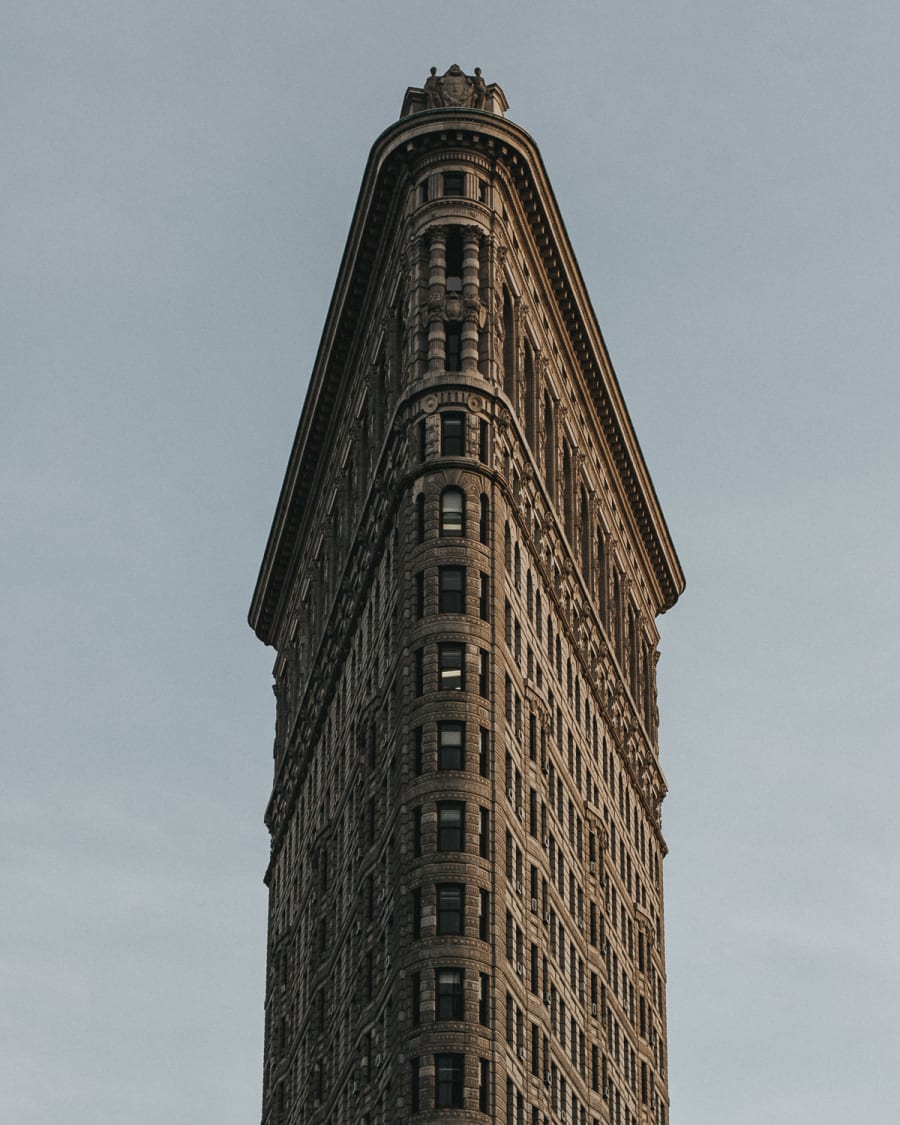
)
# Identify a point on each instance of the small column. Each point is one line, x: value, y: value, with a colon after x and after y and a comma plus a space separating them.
x: 437, y: 279
x: 472, y: 305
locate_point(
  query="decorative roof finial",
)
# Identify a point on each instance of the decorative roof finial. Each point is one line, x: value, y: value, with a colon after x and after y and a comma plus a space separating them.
x: 455, y: 90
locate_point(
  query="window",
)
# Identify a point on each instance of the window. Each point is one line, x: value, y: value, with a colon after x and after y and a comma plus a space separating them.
x: 453, y: 435
x: 484, y: 834
x: 484, y: 1001
x: 453, y: 183
x: 484, y: 914
x: 484, y: 752
x: 451, y: 746
x: 420, y: 593
x: 454, y: 259
x: 415, y: 994
x: 484, y: 1085
x: 451, y: 589
x: 484, y: 519
x: 451, y: 667
x: 450, y: 907
x: 417, y: 832
x: 417, y: 913
x: 414, y: 1084
x: 453, y: 519
x: 423, y: 191
x: 419, y: 671
x: 417, y: 751
x: 483, y: 453
x: 448, y: 1080
x: 453, y: 335
x: 484, y: 599
x: 451, y: 824
x: 483, y: 673
x: 448, y: 987
x: 420, y: 517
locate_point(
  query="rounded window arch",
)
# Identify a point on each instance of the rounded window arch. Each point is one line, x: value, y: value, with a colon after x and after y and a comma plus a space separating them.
x: 453, y: 511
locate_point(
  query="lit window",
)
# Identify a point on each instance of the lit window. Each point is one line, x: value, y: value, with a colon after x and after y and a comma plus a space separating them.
x: 451, y: 667
x: 453, y: 512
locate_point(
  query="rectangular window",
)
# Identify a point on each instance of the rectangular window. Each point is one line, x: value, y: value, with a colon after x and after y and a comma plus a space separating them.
x: 484, y: 834
x: 414, y: 1085
x: 451, y: 826
x: 484, y: 1001
x: 484, y: 598
x: 451, y: 589
x: 417, y: 832
x: 417, y: 913
x: 484, y: 915
x: 453, y: 435
x: 451, y: 746
x: 450, y: 907
x: 415, y: 998
x: 483, y: 673
x: 448, y: 986
x: 484, y: 1086
x: 484, y: 752
x: 453, y: 360
x: 420, y: 594
x: 453, y: 183
x: 448, y: 1080
x: 417, y: 751
x: 451, y: 667
x: 483, y: 441
x: 419, y: 671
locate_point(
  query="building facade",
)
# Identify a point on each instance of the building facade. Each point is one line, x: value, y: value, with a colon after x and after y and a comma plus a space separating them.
x: 461, y: 585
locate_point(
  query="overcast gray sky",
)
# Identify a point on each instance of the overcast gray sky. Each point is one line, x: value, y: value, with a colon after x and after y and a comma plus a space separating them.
x: 176, y: 184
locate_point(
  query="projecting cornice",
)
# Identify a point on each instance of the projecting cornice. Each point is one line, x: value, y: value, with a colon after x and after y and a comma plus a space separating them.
x: 397, y: 149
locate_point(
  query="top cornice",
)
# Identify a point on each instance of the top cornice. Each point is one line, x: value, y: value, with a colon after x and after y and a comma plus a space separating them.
x: 485, y: 132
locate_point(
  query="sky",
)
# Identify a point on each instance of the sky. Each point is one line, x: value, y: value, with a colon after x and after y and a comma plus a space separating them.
x: 176, y: 185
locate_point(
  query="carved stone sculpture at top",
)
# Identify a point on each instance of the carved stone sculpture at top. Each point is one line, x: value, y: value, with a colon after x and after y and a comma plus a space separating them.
x: 455, y: 89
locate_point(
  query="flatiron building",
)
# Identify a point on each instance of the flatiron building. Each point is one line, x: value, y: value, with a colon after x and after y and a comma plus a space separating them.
x: 461, y: 586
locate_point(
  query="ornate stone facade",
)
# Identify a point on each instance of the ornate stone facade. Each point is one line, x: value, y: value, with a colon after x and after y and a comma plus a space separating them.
x: 461, y: 585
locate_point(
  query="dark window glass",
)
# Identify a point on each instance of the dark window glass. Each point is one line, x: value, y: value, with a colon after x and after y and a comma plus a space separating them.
x: 451, y: 821
x: 423, y: 191
x: 453, y: 183
x: 415, y: 991
x: 451, y: 746
x: 417, y: 913
x: 484, y: 834
x: 483, y: 673
x: 420, y: 593
x: 454, y: 251
x: 414, y: 1084
x: 420, y: 517
x: 417, y: 751
x: 448, y: 1080
x: 453, y: 435
x: 451, y: 667
x: 420, y: 671
x: 453, y: 512
x: 484, y: 520
x: 450, y: 907
x: 484, y: 1086
x: 452, y: 589
x: 417, y: 832
x: 448, y: 986
x: 484, y: 1001
x: 484, y: 914
x: 484, y: 752
x: 483, y: 441
x: 484, y: 602
x: 453, y: 334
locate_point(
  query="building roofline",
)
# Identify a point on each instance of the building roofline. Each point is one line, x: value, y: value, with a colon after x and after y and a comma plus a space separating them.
x: 390, y: 156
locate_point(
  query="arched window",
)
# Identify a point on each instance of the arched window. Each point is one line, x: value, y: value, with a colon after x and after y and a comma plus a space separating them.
x: 453, y: 512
